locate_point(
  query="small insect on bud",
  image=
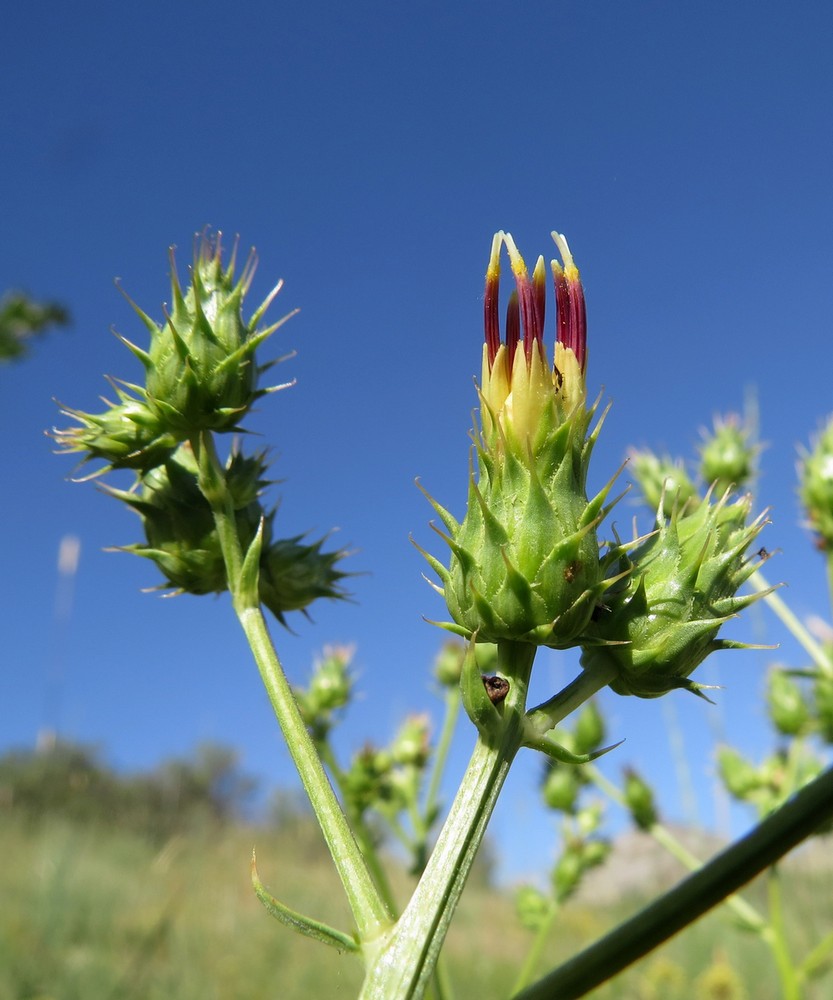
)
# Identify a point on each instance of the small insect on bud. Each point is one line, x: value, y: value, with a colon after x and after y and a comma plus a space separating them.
x: 497, y: 688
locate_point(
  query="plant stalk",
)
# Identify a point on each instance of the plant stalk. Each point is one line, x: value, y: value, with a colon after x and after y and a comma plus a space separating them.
x: 403, y: 967
x: 369, y: 909
x: 770, y: 840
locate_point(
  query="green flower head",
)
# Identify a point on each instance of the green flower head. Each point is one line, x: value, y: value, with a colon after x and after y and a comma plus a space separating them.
x: 525, y: 559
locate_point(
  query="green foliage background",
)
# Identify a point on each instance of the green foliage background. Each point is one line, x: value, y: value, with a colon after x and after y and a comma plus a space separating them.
x: 99, y: 905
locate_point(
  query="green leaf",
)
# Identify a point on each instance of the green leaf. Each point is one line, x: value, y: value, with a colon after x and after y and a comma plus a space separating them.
x: 297, y: 921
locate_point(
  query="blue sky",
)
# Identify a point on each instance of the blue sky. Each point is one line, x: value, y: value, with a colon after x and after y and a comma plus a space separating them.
x: 369, y: 151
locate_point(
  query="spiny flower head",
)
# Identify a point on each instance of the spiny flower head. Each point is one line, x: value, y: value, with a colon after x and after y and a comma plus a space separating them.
x: 200, y: 371
x: 200, y: 365
x: 525, y: 559
x: 661, y: 620
x: 127, y: 435
x: 180, y: 531
x: 662, y: 479
x: 294, y: 573
x: 727, y: 455
x: 182, y: 539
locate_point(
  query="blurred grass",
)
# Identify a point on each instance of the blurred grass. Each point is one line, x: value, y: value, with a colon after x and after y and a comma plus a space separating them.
x: 90, y: 913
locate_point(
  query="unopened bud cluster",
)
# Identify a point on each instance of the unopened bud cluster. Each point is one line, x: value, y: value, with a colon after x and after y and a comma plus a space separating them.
x: 579, y: 855
x: 679, y: 586
x: 727, y: 462
x: 329, y: 691
x: 201, y: 375
x: 769, y: 784
x: 388, y: 779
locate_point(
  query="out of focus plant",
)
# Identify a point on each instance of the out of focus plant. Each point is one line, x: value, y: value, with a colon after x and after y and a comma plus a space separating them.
x: 71, y: 781
x: 21, y: 319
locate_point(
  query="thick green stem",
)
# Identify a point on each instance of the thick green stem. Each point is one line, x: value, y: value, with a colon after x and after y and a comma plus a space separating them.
x: 592, y: 679
x: 369, y: 910
x: 663, y: 836
x: 404, y: 964
x: 772, y: 839
x: 360, y: 830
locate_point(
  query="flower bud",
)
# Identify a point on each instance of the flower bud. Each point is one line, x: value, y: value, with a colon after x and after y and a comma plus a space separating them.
x: 411, y: 745
x: 661, y: 621
x: 741, y: 779
x: 367, y: 781
x: 823, y: 701
x: 525, y: 561
x: 200, y: 365
x: 127, y: 435
x: 589, y: 730
x: 179, y: 524
x: 200, y: 371
x: 787, y: 708
x: 663, y: 481
x: 589, y: 818
x: 568, y: 871
x: 331, y: 683
x: 578, y: 857
x: 182, y: 537
x: 561, y: 788
x: 533, y: 907
x: 449, y: 664
x: 816, y: 487
x: 293, y: 574
x: 727, y: 459
x: 639, y: 798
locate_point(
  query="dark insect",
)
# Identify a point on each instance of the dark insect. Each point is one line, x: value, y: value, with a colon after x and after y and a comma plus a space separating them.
x: 497, y: 688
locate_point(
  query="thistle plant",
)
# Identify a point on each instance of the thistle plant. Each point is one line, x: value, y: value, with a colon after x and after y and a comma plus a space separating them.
x: 524, y: 560
x: 529, y: 563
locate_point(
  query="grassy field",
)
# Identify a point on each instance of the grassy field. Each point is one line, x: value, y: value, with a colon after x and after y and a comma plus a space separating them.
x: 93, y: 914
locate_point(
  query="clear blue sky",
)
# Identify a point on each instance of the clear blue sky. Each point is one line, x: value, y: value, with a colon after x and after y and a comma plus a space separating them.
x: 369, y: 151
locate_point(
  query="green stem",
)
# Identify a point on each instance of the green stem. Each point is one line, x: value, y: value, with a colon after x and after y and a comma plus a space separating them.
x: 593, y: 678
x: 817, y: 958
x: 794, y: 625
x: 663, y: 836
x: 770, y: 840
x: 403, y: 966
x: 534, y: 954
x: 452, y: 711
x: 369, y: 909
x: 790, y: 989
x: 361, y: 832
x: 829, y: 561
